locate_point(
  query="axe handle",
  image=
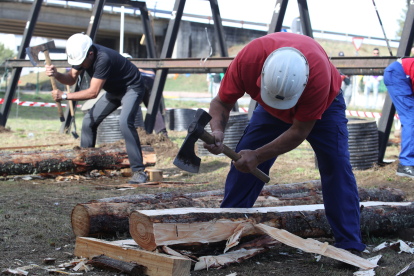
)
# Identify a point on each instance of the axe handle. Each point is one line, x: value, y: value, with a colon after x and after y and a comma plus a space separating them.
x: 209, y: 139
x: 53, y: 81
x: 72, y: 113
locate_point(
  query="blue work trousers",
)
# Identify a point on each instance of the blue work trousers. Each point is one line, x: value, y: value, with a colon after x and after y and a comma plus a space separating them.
x: 401, y: 92
x: 329, y: 140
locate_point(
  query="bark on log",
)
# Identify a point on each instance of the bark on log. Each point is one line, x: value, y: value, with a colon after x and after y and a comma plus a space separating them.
x: 110, y: 215
x: 76, y: 160
x: 119, y: 266
x: 152, y: 228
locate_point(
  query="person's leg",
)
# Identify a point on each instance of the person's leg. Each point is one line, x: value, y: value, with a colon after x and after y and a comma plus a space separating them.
x: 400, y: 91
x: 242, y: 189
x: 329, y: 140
x: 130, y: 103
x: 102, y: 108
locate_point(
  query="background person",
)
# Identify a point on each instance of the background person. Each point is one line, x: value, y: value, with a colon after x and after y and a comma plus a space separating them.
x: 298, y: 91
x: 123, y: 84
x: 372, y: 83
x: 346, y: 84
x: 398, y: 77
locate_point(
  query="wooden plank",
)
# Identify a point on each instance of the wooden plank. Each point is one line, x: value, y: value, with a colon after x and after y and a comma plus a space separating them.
x: 157, y: 264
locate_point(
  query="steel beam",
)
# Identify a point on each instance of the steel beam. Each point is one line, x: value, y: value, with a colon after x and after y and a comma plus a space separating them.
x: 27, y: 36
x: 304, y: 18
x: 161, y: 75
x: 278, y: 16
x: 149, y: 34
x: 275, y: 26
x: 355, y: 65
x: 218, y: 27
x: 91, y: 32
x: 388, y: 110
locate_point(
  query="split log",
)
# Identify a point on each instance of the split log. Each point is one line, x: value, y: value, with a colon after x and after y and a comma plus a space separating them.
x: 117, y: 265
x: 186, y: 226
x: 75, y: 161
x: 108, y: 216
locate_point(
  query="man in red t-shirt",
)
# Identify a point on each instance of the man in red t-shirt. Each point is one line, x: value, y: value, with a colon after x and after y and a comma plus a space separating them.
x: 399, y: 79
x: 298, y: 91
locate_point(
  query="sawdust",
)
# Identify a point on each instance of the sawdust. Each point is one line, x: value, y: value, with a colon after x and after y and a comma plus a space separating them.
x: 5, y: 129
x: 163, y: 146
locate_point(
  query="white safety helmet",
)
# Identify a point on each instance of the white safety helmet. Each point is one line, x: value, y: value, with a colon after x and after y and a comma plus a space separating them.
x: 284, y: 76
x: 77, y: 48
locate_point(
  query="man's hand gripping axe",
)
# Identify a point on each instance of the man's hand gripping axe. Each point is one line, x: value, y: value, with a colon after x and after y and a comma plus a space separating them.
x: 187, y: 159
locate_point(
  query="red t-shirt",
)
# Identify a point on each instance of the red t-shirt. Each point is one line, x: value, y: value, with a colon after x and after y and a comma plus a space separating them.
x: 408, y: 66
x: 243, y: 76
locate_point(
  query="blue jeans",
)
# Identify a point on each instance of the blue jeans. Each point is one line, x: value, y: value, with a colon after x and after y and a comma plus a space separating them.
x: 329, y: 140
x: 401, y: 92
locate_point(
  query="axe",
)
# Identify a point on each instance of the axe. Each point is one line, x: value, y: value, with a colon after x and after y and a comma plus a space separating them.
x: 33, y: 53
x: 187, y: 159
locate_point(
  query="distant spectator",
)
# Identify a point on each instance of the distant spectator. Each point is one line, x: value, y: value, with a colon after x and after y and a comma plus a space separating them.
x: 346, y: 84
x: 372, y: 83
x: 214, y: 81
x: 412, y: 51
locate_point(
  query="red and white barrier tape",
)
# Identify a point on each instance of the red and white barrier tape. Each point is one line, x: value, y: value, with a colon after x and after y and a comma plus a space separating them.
x: 365, y: 114
x: 27, y: 103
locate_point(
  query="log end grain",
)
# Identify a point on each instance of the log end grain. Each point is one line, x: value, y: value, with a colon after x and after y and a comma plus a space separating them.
x: 142, y: 231
x: 80, y: 221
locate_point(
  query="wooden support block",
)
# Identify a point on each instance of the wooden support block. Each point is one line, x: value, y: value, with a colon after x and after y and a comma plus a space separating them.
x: 157, y: 264
x: 155, y: 175
x: 126, y: 172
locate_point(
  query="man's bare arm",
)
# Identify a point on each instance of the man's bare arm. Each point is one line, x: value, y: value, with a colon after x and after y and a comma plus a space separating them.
x: 219, y: 112
x: 286, y: 142
x: 69, y: 78
x: 90, y: 93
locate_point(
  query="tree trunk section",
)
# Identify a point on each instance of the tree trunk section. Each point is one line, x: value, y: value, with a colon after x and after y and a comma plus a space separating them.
x: 108, y: 216
x: 152, y: 228
x: 76, y: 160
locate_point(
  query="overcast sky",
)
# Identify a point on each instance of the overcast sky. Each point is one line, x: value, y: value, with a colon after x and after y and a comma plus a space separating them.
x: 350, y: 16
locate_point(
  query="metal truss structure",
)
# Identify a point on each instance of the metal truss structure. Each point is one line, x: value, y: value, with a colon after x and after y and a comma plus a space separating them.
x: 164, y: 64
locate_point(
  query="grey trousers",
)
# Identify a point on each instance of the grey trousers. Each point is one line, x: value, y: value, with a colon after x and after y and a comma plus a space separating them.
x: 130, y: 102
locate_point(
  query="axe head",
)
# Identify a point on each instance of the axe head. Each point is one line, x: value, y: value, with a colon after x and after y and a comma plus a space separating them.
x: 33, y: 52
x: 186, y: 158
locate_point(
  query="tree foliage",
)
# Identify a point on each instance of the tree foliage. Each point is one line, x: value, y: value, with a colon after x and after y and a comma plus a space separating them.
x: 401, y: 20
x: 5, y: 53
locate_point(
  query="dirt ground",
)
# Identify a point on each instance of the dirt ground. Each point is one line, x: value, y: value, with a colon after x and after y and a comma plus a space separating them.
x: 35, y: 213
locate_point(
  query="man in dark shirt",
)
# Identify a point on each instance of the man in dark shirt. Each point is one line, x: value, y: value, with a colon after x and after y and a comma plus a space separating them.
x: 124, y: 86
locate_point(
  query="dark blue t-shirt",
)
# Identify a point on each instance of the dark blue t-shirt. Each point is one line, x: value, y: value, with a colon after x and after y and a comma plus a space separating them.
x: 118, y: 71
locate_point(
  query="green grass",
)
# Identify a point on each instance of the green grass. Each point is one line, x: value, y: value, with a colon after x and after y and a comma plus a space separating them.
x: 191, y: 83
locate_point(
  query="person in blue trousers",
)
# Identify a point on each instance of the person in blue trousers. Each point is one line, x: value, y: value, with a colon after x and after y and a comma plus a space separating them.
x: 398, y: 78
x: 299, y: 96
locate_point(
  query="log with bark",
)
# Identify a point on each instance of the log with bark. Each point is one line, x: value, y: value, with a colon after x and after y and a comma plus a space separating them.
x: 76, y: 160
x: 186, y: 226
x: 108, y: 216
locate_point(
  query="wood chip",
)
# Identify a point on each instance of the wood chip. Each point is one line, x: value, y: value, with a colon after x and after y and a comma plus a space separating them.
x: 49, y: 260
x: 314, y: 246
x: 14, y: 272
x: 408, y: 267
x: 234, y: 239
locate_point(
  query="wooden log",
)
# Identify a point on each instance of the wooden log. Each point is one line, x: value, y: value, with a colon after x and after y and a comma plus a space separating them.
x: 152, y: 228
x: 76, y: 160
x: 120, y: 266
x: 108, y: 216
x: 156, y: 264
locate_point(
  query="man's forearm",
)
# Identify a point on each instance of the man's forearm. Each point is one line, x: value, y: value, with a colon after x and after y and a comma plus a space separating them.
x: 220, y: 113
x: 284, y: 143
x: 82, y: 95
x: 64, y: 78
